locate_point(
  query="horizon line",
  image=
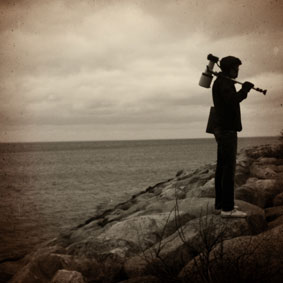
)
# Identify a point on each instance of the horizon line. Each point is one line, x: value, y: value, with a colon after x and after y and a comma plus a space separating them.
x: 124, y: 140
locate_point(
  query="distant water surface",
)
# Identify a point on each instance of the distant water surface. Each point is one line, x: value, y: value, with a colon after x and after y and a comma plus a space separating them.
x: 48, y: 187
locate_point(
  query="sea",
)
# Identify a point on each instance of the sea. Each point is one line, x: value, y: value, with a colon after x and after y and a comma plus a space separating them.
x: 48, y: 188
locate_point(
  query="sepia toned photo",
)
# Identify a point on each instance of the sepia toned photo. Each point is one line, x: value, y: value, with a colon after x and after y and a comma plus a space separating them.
x: 141, y: 141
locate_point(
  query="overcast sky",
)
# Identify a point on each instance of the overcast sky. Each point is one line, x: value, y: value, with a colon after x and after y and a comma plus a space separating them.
x: 115, y: 70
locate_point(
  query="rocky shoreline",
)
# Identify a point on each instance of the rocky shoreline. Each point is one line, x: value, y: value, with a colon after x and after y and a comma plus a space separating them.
x: 171, y: 232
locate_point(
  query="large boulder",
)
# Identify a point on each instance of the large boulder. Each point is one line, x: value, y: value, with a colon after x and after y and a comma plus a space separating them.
x: 277, y: 222
x: 148, y: 261
x: 242, y: 171
x: 157, y: 206
x: 172, y: 192
x: 32, y: 271
x: 197, y: 178
x: 196, y: 207
x: 139, y: 232
x: 192, y: 207
x: 251, y: 195
x: 205, y: 191
x: 272, y: 213
x: 259, y: 191
x: 68, y: 276
x: 271, y: 161
x: 278, y: 200
x: 242, y: 259
x: 264, y: 151
x: 172, y: 252
x: 243, y: 159
x: 44, y: 265
x: 142, y: 230
x: 130, y: 236
x: 263, y: 171
x: 267, y: 160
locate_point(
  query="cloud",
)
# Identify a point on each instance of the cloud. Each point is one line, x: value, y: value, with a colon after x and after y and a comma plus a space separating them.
x: 116, y: 64
x: 217, y: 19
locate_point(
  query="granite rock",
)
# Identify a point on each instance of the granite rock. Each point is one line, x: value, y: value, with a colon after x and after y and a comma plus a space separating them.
x: 273, y: 212
x: 167, y: 225
x: 68, y: 276
x: 243, y: 259
x: 278, y: 200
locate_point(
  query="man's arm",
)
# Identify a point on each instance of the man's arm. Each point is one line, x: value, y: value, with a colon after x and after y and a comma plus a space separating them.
x: 231, y: 96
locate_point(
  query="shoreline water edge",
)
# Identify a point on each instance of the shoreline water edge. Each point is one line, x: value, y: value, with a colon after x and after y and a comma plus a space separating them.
x: 171, y: 233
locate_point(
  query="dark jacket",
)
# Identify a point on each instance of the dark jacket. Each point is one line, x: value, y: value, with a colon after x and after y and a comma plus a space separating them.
x: 227, y: 104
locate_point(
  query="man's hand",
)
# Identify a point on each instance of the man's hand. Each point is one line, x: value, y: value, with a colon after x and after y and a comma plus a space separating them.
x: 247, y: 86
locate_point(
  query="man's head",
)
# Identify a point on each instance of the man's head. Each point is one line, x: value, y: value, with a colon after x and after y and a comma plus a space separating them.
x: 230, y: 66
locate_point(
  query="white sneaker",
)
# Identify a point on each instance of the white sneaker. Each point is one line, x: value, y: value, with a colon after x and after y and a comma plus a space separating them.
x: 233, y: 213
x: 235, y: 207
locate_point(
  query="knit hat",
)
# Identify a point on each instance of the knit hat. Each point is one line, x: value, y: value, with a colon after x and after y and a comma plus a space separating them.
x: 229, y: 62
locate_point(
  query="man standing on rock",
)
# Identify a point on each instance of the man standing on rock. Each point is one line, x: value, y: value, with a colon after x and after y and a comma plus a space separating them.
x: 226, y: 125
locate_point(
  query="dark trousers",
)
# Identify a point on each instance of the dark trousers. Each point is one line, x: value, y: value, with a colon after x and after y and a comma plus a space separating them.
x: 225, y: 169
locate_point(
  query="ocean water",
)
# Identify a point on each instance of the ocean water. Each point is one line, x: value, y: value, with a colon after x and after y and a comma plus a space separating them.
x: 46, y: 188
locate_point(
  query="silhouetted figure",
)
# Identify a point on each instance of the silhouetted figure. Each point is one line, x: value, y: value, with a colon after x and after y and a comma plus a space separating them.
x: 226, y: 125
